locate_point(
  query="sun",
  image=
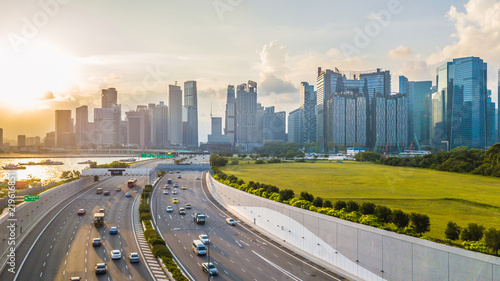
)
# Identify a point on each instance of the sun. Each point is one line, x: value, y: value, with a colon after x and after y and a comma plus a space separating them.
x: 29, y: 75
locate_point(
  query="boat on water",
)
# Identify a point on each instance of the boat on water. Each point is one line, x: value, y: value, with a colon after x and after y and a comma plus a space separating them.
x: 14, y: 167
x: 86, y: 162
x: 45, y: 162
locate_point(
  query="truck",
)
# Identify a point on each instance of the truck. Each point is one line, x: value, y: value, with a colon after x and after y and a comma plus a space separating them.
x: 169, y: 181
x: 99, y: 219
x: 132, y: 182
x: 199, y: 218
x: 99, y: 190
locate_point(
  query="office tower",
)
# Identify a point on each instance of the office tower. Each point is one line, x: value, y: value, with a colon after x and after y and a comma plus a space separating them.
x: 216, y: 125
x: 259, y: 123
x: 274, y: 129
x: 81, y: 126
x: 230, y: 128
x: 21, y: 140
x: 246, y: 109
x: 123, y: 131
x: 362, y: 109
x: 152, y: 130
x: 138, y: 127
x: 50, y: 140
x: 419, y: 94
x: 109, y: 97
x: 107, y: 126
x: 1, y: 137
x: 378, y: 82
x: 402, y: 116
x: 190, y: 125
x: 498, y: 111
x: 175, y: 114
x: 327, y: 83
x: 216, y: 140
x: 490, y: 121
x: 64, y: 128
x: 295, y: 125
x: 350, y: 121
x: 379, y: 121
x: 459, y: 105
x: 159, y: 123
x: 336, y: 121
x: 308, y: 108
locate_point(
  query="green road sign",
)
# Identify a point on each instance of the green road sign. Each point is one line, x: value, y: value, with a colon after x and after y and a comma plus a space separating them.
x: 147, y: 155
x: 31, y: 197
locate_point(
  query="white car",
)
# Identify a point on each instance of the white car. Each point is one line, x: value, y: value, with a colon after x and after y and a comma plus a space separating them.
x: 116, y: 254
x: 204, y: 239
x: 170, y: 209
x: 230, y: 221
x: 165, y: 192
x: 174, y: 191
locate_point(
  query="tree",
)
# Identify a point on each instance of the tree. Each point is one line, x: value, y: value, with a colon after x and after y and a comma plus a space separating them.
x: 318, y: 202
x: 339, y: 205
x: 286, y: 194
x: 327, y: 204
x: 452, y: 231
x: 420, y: 223
x: 383, y: 213
x: 351, y: 206
x: 217, y: 161
x: 306, y: 196
x: 400, y: 218
x: 367, y: 208
x: 473, y: 232
x: 367, y: 156
x: 492, y: 239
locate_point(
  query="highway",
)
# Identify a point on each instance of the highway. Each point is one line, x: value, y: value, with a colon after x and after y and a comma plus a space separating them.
x: 60, y: 246
x: 239, y: 252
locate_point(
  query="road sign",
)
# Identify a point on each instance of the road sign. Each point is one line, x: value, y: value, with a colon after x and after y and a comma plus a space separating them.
x: 31, y: 197
x: 147, y: 155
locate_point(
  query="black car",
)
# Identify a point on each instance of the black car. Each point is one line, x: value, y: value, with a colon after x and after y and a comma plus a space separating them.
x: 96, y: 242
x: 100, y: 268
x: 106, y: 193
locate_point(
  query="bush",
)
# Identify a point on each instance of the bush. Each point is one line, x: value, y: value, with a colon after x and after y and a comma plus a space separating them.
x: 339, y: 205
x: 260, y: 162
x: 420, y: 223
x: 473, y: 232
x: 145, y: 195
x: 300, y: 160
x: 145, y: 216
x: 234, y: 162
x: 217, y: 161
x: 286, y: 194
x: 149, y: 233
x: 452, y: 231
x: 306, y: 196
x: 327, y: 204
x: 351, y: 206
x: 367, y: 208
x: 492, y: 239
x: 144, y: 208
x: 383, y: 213
x: 156, y: 240
x: 161, y: 251
x: 274, y: 160
x: 148, y: 188
x: 318, y: 202
x: 148, y: 225
x: 400, y: 218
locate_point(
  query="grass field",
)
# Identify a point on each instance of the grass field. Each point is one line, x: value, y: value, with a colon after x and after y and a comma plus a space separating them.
x: 443, y: 196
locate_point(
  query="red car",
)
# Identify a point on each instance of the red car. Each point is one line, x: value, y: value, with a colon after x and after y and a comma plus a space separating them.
x: 81, y: 212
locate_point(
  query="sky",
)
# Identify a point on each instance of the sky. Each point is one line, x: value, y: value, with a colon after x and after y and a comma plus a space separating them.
x: 60, y: 54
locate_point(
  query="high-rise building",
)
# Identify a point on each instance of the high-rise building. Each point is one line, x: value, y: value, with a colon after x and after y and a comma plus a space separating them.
x: 21, y: 140
x: 190, y: 124
x: 230, y: 128
x: 159, y: 123
x: 460, y: 104
x: 327, y: 83
x: 175, y: 114
x: 109, y: 97
x: 33, y: 141
x: 419, y: 94
x: 308, y: 103
x: 139, y: 127
x: 64, y: 128
x: 107, y: 126
x: 295, y: 126
x: 216, y: 140
x: 1, y: 137
x: 246, y: 109
x: 81, y: 126
x: 490, y: 121
x: 259, y: 123
x: 216, y: 125
x: 274, y: 125
x: 498, y: 109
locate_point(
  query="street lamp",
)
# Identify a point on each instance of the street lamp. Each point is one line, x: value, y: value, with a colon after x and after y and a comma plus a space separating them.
x: 208, y: 234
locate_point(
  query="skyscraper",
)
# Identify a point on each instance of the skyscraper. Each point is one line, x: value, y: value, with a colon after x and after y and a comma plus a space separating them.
x: 159, y: 123
x: 1, y: 137
x: 216, y: 125
x: 230, y: 128
x: 308, y: 109
x: 139, y: 127
x: 107, y: 126
x: 109, y: 97
x: 21, y: 140
x: 498, y: 109
x: 246, y: 109
x: 490, y: 121
x: 274, y: 125
x: 64, y: 128
x: 81, y: 126
x: 175, y: 114
x: 295, y: 126
x: 190, y: 126
x: 419, y: 93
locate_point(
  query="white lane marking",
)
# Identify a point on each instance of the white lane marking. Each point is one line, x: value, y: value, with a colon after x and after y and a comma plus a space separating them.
x: 293, y: 277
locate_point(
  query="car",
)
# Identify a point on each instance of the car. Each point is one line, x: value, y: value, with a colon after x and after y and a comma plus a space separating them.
x: 209, y: 268
x: 182, y: 211
x: 113, y: 230
x: 179, y: 176
x: 101, y: 210
x: 116, y: 254
x: 178, y: 172
x: 134, y: 257
x: 118, y: 189
x: 128, y: 194
x: 188, y: 206
x: 170, y: 209
x: 166, y: 186
x: 176, y: 185
x: 165, y: 192
x: 230, y: 221
x: 175, y: 200
x: 101, y: 268
x: 81, y: 212
x: 174, y: 191
x: 184, y: 187
x: 204, y: 239
x: 197, y: 178
x: 75, y: 278
x: 106, y: 193
x: 96, y: 242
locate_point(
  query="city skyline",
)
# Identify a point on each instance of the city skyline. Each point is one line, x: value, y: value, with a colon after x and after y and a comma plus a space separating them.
x: 278, y: 63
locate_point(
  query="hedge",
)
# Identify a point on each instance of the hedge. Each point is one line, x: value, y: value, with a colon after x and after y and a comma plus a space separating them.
x: 145, y: 216
x: 150, y: 233
x: 156, y: 240
x: 161, y: 250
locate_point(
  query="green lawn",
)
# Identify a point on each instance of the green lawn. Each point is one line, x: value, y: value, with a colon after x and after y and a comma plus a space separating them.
x: 443, y: 196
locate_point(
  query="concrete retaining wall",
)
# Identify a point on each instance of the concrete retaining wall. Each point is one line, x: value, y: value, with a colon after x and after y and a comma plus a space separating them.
x: 366, y: 252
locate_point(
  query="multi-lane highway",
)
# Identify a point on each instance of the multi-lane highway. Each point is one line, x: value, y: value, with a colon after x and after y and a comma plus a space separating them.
x: 238, y: 252
x: 60, y: 246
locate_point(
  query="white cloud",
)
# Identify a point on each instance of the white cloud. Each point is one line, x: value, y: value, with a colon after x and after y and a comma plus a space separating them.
x: 400, y: 52
x: 274, y: 58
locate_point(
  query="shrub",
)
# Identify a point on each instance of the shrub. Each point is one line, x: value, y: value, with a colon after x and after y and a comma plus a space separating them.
x: 148, y: 188
x: 274, y: 160
x: 420, y: 223
x: 318, y: 202
x: 473, y: 232
x: 367, y: 208
x: 327, y: 204
x: 260, y: 162
x: 148, y: 225
x: 161, y: 251
x: 145, y: 216
x: 306, y: 196
x: 492, y: 239
x: 475, y: 246
x: 300, y: 160
x: 156, y: 240
x: 286, y: 194
x: 400, y: 218
x: 383, y: 213
x: 234, y: 162
x: 452, y: 231
x: 149, y: 233
x: 217, y: 161
x: 144, y: 208
x: 351, y: 206
x: 339, y: 205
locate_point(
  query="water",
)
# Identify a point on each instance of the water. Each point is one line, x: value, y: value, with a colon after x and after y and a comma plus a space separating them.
x: 53, y: 172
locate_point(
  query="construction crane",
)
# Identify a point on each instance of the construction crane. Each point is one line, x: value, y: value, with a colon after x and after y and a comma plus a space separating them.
x: 418, y: 145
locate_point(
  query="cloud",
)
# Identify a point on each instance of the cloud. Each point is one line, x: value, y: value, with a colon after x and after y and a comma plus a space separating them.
x: 274, y: 85
x: 417, y: 70
x: 47, y: 96
x: 274, y: 58
x: 400, y: 52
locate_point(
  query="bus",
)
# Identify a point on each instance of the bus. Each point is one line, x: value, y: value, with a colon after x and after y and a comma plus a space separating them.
x: 99, y: 190
x: 99, y: 219
x: 131, y: 182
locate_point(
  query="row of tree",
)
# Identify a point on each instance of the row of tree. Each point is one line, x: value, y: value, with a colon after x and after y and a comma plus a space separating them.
x: 474, y: 232
x: 459, y: 160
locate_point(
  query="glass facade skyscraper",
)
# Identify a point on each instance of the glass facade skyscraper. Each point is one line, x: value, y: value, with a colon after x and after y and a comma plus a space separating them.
x: 419, y: 93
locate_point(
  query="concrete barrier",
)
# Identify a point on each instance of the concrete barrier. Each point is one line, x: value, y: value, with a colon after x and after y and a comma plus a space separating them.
x: 365, y: 252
